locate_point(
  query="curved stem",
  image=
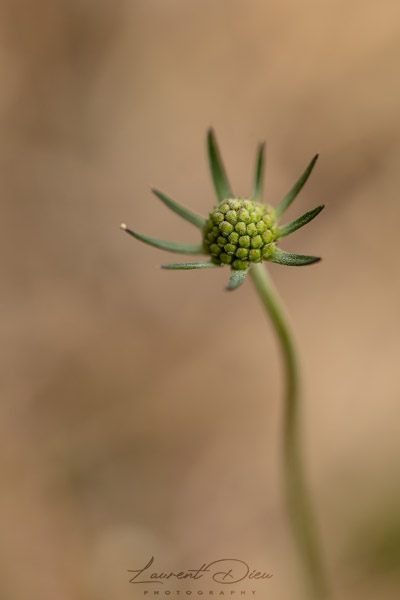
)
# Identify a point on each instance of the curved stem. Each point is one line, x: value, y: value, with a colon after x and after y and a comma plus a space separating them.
x: 297, y: 496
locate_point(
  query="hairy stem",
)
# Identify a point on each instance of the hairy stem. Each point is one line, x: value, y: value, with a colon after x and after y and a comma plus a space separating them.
x: 297, y: 495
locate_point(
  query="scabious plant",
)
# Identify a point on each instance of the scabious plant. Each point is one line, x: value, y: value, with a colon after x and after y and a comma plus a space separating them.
x: 242, y: 234
x: 239, y: 231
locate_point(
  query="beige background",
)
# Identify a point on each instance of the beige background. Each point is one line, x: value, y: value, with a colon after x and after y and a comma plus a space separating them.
x: 141, y: 408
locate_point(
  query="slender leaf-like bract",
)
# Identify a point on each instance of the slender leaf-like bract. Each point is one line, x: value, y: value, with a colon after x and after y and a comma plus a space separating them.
x: 236, y: 279
x: 292, y: 260
x: 178, y: 247
x: 221, y: 183
x: 300, y: 222
x: 259, y: 174
x: 288, y: 199
x: 189, y: 266
x: 180, y: 210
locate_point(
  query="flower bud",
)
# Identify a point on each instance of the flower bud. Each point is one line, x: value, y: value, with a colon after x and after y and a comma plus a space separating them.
x: 239, y: 232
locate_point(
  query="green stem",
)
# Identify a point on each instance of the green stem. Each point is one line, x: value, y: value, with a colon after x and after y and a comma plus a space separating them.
x: 297, y: 496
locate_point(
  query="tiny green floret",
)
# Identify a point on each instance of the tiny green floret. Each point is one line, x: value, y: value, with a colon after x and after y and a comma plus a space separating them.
x: 247, y: 234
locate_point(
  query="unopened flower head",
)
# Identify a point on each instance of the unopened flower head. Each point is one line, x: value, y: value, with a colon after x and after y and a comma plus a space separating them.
x: 239, y: 231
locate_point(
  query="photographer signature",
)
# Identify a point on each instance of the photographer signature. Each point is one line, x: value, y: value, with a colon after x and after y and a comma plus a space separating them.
x: 224, y: 571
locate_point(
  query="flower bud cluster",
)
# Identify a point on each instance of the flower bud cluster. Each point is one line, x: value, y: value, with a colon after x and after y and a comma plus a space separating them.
x: 239, y: 232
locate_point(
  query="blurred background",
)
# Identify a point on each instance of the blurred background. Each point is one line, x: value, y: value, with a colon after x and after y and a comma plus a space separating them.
x: 141, y: 409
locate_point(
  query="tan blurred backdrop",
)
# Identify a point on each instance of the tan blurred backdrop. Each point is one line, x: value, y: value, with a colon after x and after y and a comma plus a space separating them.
x: 140, y: 409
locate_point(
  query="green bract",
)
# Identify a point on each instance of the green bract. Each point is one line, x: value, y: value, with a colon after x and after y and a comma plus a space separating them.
x: 239, y: 231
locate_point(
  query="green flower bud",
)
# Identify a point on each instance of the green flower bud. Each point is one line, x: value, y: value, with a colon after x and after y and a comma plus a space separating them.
x: 251, y: 229
x: 241, y: 228
x: 225, y: 258
x: 267, y: 236
x: 248, y: 205
x: 255, y: 255
x: 215, y: 249
x: 243, y: 215
x: 268, y: 220
x: 221, y: 241
x: 217, y: 217
x: 231, y: 217
x: 242, y: 253
x: 267, y: 251
x: 235, y: 204
x: 240, y: 264
x: 233, y: 237
x: 226, y: 228
x: 261, y: 227
x: 244, y: 241
x: 230, y: 248
x: 255, y: 216
x: 239, y: 232
x: 256, y: 241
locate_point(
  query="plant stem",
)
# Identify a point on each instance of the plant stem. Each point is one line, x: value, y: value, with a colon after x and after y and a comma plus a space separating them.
x: 297, y: 496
